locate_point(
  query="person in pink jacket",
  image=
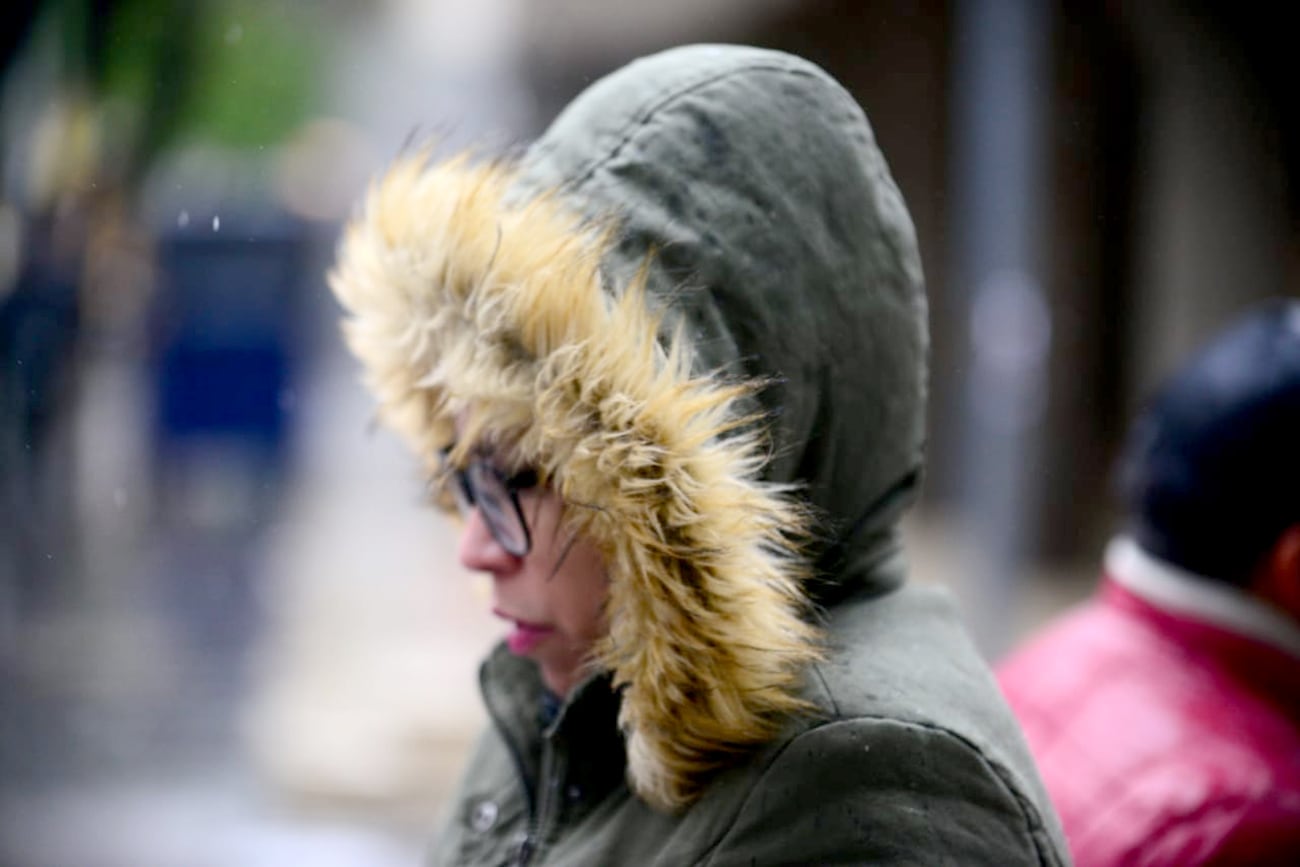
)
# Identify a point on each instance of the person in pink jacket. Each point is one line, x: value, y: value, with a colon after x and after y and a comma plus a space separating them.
x: 1164, y: 712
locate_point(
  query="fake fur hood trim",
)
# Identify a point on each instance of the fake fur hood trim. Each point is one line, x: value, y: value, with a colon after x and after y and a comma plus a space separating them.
x: 465, y: 301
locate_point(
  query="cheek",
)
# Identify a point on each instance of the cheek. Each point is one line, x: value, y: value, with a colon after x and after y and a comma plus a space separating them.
x: 586, y: 590
x: 575, y: 582
x: 543, y: 510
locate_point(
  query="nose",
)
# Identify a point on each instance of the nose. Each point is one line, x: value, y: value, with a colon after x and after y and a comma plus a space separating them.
x: 479, y: 550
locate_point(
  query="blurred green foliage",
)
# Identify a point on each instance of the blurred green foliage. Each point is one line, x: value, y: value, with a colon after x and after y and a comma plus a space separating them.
x: 234, y: 73
x: 255, y: 70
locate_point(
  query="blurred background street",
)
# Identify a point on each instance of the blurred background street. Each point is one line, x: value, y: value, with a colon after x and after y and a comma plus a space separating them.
x: 231, y: 633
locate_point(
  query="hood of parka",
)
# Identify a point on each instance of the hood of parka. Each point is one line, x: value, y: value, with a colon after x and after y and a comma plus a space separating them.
x: 696, y: 305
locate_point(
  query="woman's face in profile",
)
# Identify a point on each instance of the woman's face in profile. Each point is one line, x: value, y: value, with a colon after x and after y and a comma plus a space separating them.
x: 547, y: 583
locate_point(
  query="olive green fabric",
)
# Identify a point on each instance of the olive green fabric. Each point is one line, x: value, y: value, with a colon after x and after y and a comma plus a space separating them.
x: 914, y: 761
x: 783, y: 248
x: 753, y: 182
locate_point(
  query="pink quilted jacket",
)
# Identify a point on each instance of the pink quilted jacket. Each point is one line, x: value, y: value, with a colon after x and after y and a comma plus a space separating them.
x: 1163, y: 739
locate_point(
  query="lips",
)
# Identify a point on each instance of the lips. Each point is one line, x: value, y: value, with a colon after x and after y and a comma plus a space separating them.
x: 525, y: 635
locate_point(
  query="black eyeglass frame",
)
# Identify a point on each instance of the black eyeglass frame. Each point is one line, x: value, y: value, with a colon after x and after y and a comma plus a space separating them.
x: 477, y: 478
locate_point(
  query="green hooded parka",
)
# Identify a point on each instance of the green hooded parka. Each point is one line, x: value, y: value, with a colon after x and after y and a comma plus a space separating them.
x: 696, y: 305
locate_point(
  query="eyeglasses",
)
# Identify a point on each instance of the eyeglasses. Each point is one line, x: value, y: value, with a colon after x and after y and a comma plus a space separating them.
x: 496, y: 495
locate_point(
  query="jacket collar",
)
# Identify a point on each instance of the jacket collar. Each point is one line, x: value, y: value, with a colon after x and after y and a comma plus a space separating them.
x: 585, y: 730
x: 1197, y: 597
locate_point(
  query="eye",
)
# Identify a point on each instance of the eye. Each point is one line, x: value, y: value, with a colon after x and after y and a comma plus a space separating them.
x: 523, y: 480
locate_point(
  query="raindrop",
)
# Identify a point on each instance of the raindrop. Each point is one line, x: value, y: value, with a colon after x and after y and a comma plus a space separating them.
x: 119, y: 498
x: 184, y: 219
x: 234, y: 35
x: 216, y: 224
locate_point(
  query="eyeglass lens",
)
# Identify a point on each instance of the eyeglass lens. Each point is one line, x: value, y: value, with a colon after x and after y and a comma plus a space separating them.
x: 482, y: 486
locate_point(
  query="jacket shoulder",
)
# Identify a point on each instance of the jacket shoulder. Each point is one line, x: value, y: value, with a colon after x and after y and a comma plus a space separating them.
x: 911, y: 719
x: 886, y: 791
x: 906, y: 658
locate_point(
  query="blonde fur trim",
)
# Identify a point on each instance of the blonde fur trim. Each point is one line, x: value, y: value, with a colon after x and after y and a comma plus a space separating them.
x: 462, y: 302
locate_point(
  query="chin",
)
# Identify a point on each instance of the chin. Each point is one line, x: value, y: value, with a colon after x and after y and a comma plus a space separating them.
x: 556, y: 685
x: 558, y: 682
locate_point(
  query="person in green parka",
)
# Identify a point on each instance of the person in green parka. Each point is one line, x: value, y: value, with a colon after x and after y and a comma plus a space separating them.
x: 669, y: 367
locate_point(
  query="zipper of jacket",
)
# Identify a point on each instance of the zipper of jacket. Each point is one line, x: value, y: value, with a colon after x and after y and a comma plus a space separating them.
x: 528, y: 846
x: 547, y: 785
x: 525, y: 851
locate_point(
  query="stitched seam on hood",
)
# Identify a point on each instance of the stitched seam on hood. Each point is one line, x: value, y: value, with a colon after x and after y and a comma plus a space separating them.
x: 641, y: 119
